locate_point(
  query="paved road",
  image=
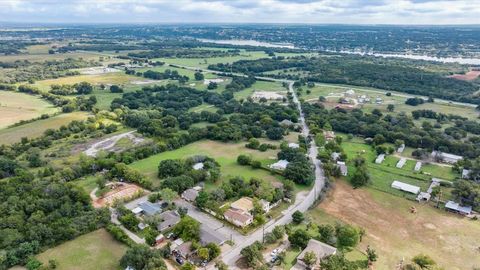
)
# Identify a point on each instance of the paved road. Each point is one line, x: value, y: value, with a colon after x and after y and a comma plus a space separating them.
x: 302, y: 201
x: 301, y: 204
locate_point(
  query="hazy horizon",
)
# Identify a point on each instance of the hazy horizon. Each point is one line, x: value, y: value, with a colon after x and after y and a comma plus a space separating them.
x: 348, y: 12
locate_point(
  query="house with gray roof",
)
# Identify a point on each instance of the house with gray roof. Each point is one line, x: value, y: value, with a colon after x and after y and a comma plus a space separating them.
x: 169, y: 219
x: 457, y: 208
x: 321, y: 251
x: 190, y: 194
x: 208, y: 235
x: 147, y: 208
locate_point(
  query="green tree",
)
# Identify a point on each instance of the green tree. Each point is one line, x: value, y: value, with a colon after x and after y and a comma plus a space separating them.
x: 188, y: 266
x: 298, y: 217
x: 347, y: 236
x: 310, y: 259
x: 83, y: 88
x: 253, y: 254
x: 199, y: 76
x: 168, y: 195
x: 299, y: 238
x: 213, y: 250
x: 202, y: 199
x: 188, y: 229
x: 170, y: 167
x: 360, y: 177
x: 244, y: 160
x: 371, y: 254
x: 337, y: 262
x: 203, y: 253
x: 423, y: 261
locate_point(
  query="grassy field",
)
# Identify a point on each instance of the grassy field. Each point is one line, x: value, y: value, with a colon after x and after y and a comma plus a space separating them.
x: 204, y: 62
x: 382, y: 175
x: 38, y: 55
x: 35, y: 129
x: 118, y: 78
x: 395, y: 233
x: 95, y: 250
x: 224, y: 153
x: 260, y: 86
x: 15, y: 106
x: 334, y: 91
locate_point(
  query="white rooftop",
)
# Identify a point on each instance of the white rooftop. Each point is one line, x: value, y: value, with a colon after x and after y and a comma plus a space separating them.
x: 293, y: 145
x: 457, y: 207
x: 198, y: 166
x: 280, y: 165
x: 405, y: 187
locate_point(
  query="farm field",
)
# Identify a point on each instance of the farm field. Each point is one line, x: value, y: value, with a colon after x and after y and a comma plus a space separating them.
x: 332, y: 93
x: 382, y: 175
x: 260, y: 86
x: 37, y: 55
x: 395, y: 233
x: 35, y: 129
x: 95, y: 250
x: 224, y: 153
x: 15, y: 106
x: 106, y: 78
x: 205, y: 62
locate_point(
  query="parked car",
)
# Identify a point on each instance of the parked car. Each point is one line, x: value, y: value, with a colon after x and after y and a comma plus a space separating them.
x: 179, y: 260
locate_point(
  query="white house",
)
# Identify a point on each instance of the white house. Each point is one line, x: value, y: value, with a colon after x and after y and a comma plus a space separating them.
x: 279, y: 165
x: 294, y: 145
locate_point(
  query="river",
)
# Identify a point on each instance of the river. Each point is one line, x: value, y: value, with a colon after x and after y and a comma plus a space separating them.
x: 241, y: 42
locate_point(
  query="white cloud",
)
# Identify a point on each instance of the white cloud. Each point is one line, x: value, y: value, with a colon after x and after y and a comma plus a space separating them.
x: 272, y: 11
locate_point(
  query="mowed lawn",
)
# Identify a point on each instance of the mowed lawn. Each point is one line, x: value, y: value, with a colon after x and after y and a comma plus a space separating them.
x: 396, y: 234
x: 95, y: 250
x: 36, y: 128
x: 224, y: 153
x: 15, y: 106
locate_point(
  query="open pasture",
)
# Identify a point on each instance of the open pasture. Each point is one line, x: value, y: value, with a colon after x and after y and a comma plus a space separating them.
x: 224, y: 153
x: 95, y: 250
x: 396, y: 234
x: 15, y: 106
x: 36, y: 128
x: 205, y: 62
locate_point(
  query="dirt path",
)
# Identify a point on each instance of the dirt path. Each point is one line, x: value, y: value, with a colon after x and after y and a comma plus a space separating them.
x: 109, y: 143
x: 395, y: 233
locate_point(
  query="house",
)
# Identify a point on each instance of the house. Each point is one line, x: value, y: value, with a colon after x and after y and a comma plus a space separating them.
x: 349, y: 93
x: 142, y: 226
x: 183, y: 250
x: 208, y: 81
x: 238, y: 217
x: 423, y: 196
x: 380, y: 159
x: 198, y: 166
x: 343, y: 168
x: 321, y: 251
x: 190, y: 194
x: 401, y: 163
x: 405, y: 187
x: 208, y: 235
x: 286, y: 123
x: 159, y: 239
x: 267, y: 95
x: 169, y: 219
x: 265, y: 205
x: 176, y: 243
x: 465, y: 174
x: 445, y: 157
x: 401, y: 148
x: 279, y: 165
x: 418, y: 166
x: 457, y: 208
x: 335, y: 156
x: 294, y: 145
x: 147, y: 208
x: 244, y: 204
x: 329, y: 135
x: 378, y: 100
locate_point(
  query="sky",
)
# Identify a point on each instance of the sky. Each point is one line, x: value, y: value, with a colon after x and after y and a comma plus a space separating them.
x: 242, y: 11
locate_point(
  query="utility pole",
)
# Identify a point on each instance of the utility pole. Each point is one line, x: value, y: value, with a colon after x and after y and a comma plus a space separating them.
x: 263, y: 234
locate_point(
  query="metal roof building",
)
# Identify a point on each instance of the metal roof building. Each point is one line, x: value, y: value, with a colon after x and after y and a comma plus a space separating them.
x: 456, y: 207
x: 405, y: 187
